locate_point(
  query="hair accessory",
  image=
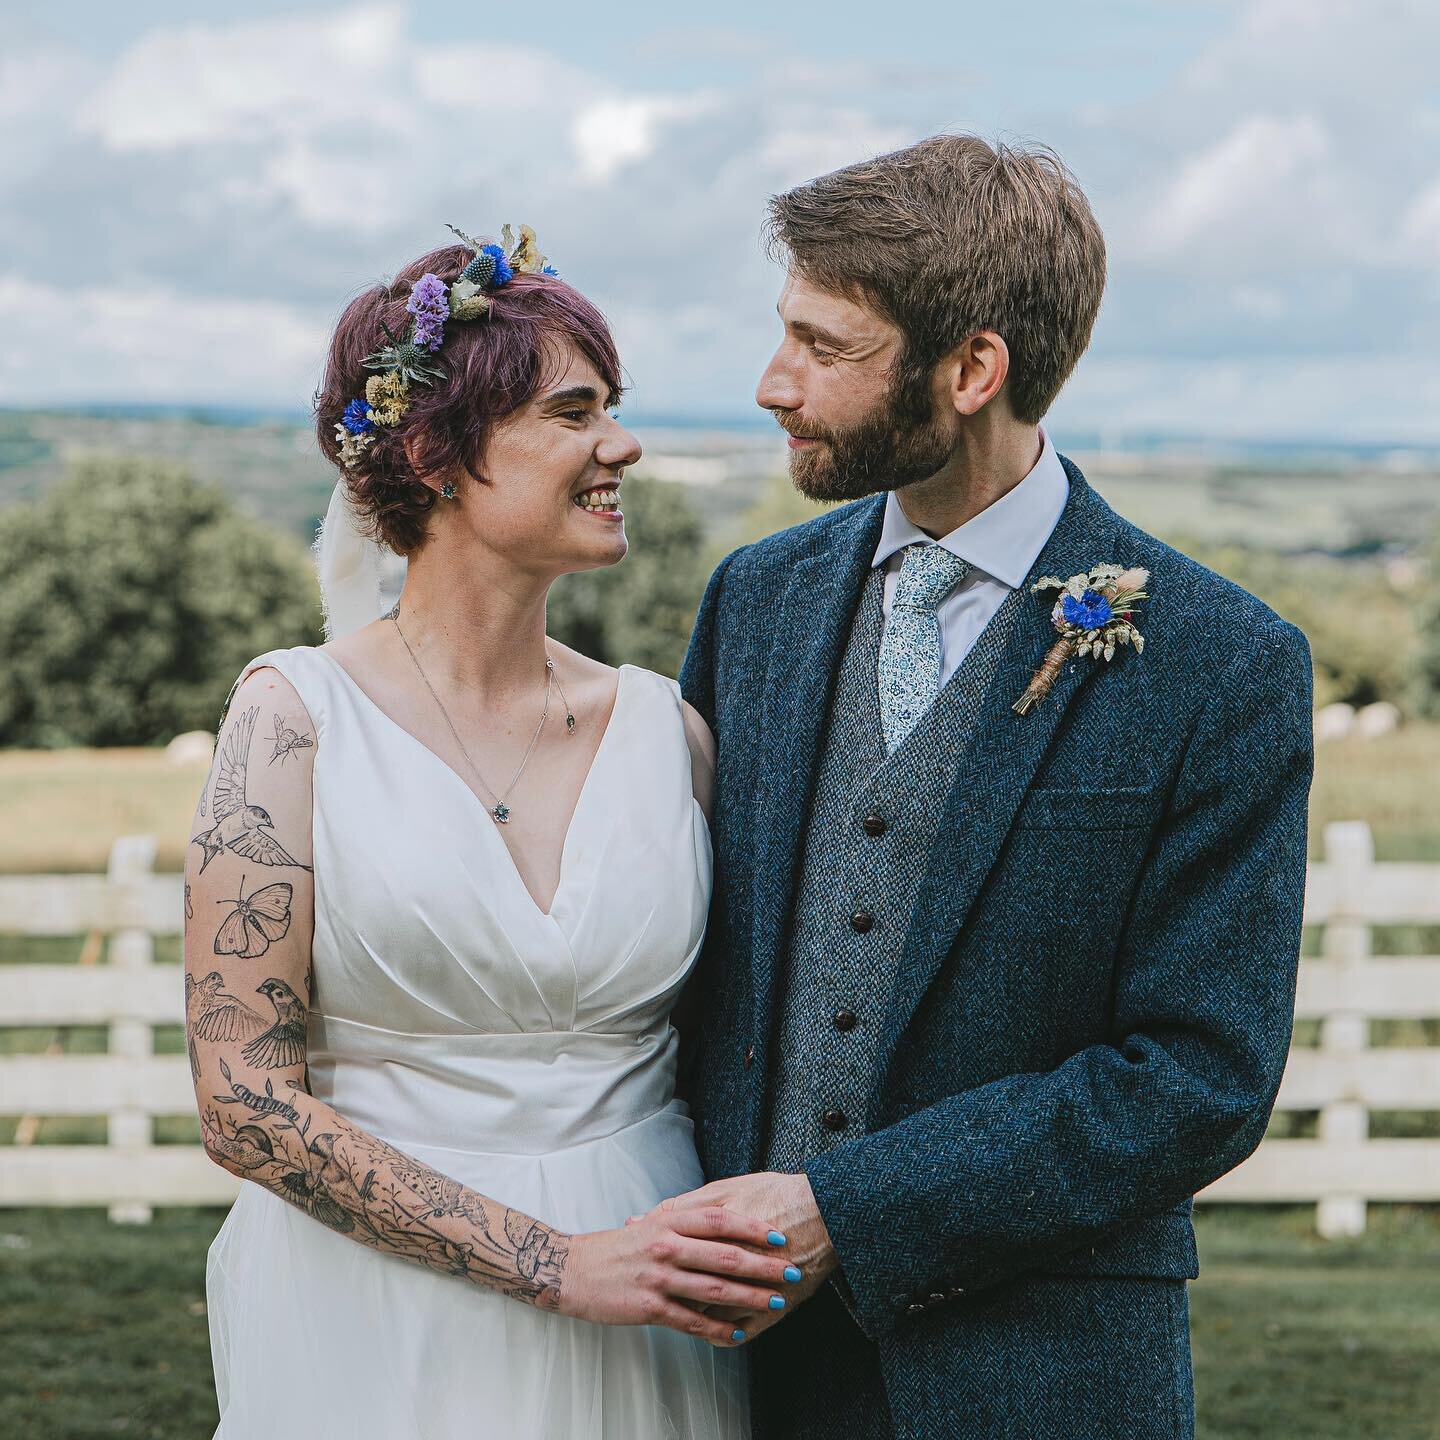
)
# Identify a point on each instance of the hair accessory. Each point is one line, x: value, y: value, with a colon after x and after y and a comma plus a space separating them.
x: 432, y: 304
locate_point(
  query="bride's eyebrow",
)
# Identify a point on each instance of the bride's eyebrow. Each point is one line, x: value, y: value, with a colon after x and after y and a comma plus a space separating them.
x: 585, y: 394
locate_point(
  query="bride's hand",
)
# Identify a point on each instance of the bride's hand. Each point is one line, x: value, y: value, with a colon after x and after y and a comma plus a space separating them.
x: 654, y: 1270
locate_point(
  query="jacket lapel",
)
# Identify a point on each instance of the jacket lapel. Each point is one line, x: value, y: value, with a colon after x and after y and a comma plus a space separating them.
x: 1003, y: 754
x: 811, y: 627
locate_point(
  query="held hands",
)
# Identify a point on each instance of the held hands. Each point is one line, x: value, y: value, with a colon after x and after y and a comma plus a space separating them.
x: 786, y: 1203
x: 664, y: 1268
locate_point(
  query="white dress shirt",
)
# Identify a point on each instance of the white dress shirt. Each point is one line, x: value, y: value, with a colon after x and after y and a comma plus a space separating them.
x: 1000, y: 544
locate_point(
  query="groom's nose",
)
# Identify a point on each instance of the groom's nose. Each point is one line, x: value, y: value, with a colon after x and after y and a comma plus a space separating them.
x: 778, y: 388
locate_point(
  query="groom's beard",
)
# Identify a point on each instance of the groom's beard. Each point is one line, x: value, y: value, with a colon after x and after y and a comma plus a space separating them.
x: 899, y: 443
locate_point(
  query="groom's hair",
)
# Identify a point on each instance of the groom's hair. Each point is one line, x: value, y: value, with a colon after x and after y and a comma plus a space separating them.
x: 950, y: 237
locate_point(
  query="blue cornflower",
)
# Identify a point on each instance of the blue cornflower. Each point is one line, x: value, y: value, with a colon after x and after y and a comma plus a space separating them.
x: 503, y: 272
x: 1089, y: 612
x: 549, y: 270
x: 356, y: 418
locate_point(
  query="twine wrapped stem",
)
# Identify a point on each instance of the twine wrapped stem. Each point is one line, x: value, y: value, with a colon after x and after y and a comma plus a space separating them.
x: 1045, y: 676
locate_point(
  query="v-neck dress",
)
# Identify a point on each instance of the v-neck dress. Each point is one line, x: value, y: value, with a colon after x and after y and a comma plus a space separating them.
x: 527, y: 1054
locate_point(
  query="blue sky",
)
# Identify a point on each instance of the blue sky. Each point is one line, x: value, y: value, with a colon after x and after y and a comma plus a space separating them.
x: 197, y: 193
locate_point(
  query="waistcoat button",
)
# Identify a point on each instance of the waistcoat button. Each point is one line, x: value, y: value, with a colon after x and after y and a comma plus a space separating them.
x: 874, y: 823
x: 749, y: 1056
x: 846, y: 1019
x: 862, y: 920
x: 834, y: 1119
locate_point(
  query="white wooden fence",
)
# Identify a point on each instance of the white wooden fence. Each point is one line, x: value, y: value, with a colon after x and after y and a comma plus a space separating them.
x: 1343, y: 1079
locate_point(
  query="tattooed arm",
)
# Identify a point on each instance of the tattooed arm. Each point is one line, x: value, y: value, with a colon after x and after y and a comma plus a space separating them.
x: 250, y: 917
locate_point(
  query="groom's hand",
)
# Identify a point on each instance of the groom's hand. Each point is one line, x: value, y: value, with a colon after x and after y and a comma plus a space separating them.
x: 787, y: 1204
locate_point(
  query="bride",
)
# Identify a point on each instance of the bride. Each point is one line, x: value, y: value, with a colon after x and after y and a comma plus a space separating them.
x: 447, y: 880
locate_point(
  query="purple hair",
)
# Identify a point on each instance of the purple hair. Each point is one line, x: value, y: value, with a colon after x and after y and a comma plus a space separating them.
x: 493, y: 366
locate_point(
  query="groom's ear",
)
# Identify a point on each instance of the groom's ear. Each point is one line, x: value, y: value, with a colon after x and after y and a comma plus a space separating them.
x: 973, y: 374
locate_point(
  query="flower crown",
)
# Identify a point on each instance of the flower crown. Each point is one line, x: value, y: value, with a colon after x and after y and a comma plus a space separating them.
x: 402, y: 363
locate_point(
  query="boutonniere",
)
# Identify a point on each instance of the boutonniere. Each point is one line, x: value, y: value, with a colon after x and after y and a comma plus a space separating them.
x: 1095, y: 615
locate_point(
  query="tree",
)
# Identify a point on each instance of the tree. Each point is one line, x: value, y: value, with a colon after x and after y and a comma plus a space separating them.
x: 641, y: 610
x: 1426, y: 676
x: 132, y: 597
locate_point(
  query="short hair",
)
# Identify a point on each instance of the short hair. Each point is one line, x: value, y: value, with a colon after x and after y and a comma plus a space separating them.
x: 493, y: 365
x: 952, y: 236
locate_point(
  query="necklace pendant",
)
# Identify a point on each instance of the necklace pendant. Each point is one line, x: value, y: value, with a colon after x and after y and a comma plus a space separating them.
x: 569, y: 724
x: 501, y: 813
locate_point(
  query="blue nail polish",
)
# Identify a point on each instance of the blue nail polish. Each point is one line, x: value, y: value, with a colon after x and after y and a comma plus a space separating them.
x: 793, y: 1273
x: 737, y: 1336
x: 777, y: 1302
x: 775, y: 1238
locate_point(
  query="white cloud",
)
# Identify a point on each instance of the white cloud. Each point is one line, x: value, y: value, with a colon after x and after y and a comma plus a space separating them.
x: 247, y: 177
x: 152, y: 344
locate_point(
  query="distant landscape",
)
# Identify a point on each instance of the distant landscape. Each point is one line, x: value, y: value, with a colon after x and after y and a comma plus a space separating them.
x: 1344, y: 501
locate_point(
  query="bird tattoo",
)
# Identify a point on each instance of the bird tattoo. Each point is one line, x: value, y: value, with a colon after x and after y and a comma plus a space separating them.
x: 249, y: 1148
x: 213, y: 1015
x: 240, y: 827
x: 284, y: 1042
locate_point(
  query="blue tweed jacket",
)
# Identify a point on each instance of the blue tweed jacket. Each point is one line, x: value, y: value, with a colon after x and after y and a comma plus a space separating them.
x: 1095, y: 999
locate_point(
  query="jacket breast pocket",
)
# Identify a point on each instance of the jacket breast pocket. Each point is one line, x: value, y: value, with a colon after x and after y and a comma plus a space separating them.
x: 1052, y: 808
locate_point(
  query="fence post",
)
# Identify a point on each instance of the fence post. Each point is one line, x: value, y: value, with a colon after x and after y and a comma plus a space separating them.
x: 132, y: 859
x: 1349, y: 854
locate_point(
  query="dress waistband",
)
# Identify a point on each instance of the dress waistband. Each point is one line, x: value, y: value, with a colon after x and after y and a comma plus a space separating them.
x: 523, y: 1092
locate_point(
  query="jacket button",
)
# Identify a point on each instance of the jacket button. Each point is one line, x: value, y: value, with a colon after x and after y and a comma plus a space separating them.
x: 956, y: 1292
x: 833, y: 1119
x: 914, y: 1309
x: 846, y: 1020
x: 749, y: 1056
x: 935, y: 1300
x: 874, y: 823
x: 862, y: 920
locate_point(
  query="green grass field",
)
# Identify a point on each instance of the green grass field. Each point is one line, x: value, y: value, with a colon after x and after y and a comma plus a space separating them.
x: 103, y: 1327
x: 61, y: 809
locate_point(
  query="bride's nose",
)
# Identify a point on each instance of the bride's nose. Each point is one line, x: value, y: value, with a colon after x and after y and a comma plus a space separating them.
x: 617, y: 447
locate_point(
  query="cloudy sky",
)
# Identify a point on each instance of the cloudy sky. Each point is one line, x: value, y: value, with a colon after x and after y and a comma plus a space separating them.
x: 186, y: 204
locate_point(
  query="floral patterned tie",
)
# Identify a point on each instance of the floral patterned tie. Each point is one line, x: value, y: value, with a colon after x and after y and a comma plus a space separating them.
x: 909, y: 672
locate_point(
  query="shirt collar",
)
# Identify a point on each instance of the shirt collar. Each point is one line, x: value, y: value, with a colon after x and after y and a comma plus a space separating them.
x: 1004, y: 539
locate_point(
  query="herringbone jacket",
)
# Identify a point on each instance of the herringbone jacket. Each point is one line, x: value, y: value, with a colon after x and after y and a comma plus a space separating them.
x: 1095, y: 998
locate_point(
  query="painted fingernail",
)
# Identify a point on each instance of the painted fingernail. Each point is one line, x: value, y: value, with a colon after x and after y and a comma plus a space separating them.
x: 737, y: 1336
x: 793, y: 1273
x: 777, y: 1302
x: 775, y: 1238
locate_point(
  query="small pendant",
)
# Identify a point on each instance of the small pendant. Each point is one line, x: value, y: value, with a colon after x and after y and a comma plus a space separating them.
x: 569, y: 723
x: 501, y: 813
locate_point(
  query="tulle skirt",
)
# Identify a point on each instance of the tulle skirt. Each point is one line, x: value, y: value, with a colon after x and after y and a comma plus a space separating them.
x: 314, y: 1334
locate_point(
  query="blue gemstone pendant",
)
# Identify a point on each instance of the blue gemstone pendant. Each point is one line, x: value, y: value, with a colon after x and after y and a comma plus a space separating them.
x: 501, y: 813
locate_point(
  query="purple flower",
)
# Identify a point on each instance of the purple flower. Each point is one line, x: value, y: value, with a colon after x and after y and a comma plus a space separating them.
x: 427, y: 303
x: 1089, y: 612
x: 355, y: 419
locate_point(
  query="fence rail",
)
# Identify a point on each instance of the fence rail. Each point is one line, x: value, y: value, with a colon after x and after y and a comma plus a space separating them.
x: 1343, y: 1079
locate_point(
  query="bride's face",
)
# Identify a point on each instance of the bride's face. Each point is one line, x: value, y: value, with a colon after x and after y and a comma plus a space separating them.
x: 554, y: 468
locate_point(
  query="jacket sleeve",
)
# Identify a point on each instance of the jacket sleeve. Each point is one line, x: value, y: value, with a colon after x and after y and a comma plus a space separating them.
x: 697, y: 673
x: 697, y: 685
x: 996, y: 1181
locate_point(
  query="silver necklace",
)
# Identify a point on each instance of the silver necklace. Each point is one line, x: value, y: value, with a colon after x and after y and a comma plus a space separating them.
x: 500, y: 811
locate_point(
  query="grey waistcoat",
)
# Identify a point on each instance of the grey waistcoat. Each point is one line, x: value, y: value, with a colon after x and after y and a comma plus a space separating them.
x: 839, y: 969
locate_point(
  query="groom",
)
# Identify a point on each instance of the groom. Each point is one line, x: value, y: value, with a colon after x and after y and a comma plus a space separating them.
x: 987, y: 996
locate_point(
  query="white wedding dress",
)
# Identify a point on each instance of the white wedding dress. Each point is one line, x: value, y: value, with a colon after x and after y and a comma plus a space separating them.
x: 526, y: 1054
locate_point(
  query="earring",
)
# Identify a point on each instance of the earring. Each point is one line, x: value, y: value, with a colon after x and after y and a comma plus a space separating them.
x: 447, y: 490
